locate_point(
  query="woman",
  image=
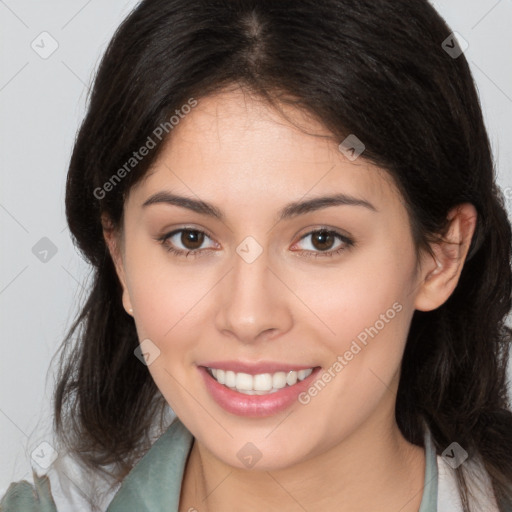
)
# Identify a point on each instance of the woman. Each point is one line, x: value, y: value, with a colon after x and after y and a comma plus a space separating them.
x: 300, y: 248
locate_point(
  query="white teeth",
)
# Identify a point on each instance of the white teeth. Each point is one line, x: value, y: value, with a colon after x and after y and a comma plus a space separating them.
x: 304, y: 373
x: 279, y: 380
x: 230, y: 379
x: 261, y: 384
x: 291, y: 378
x: 244, y: 382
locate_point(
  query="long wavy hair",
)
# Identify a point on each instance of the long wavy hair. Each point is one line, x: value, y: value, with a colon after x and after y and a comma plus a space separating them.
x: 374, y: 68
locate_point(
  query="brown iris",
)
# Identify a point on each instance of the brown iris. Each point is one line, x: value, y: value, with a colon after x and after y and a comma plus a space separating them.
x: 192, y: 239
x: 325, y: 240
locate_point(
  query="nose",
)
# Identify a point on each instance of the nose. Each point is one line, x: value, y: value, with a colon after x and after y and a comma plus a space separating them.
x: 253, y: 302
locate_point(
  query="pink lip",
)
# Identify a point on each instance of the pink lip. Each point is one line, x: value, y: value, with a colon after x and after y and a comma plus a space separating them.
x: 255, y: 405
x: 254, y: 368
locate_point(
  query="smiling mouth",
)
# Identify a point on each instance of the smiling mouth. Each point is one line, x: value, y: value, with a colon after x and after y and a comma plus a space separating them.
x: 260, y: 384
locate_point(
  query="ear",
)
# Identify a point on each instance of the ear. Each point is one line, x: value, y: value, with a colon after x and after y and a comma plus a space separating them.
x: 439, y: 275
x: 113, y: 242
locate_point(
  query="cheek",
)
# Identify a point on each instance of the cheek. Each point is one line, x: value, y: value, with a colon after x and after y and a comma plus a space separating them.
x: 370, y: 315
x: 166, y: 301
x: 365, y: 297
x: 169, y: 300
x: 165, y: 305
x: 366, y: 306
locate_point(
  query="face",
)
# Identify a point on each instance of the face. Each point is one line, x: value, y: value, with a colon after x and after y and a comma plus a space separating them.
x: 266, y: 286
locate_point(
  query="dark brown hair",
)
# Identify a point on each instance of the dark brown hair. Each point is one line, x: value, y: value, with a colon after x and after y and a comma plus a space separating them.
x: 374, y: 68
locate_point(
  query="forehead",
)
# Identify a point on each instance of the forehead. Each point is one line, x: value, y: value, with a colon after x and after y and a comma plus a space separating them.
x: 233, y: 145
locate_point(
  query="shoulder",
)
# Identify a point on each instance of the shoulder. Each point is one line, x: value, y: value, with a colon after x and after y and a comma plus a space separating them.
x: 23, y: 496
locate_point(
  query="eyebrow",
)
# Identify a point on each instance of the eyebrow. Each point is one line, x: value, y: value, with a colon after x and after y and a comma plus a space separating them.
x: 291, y: 210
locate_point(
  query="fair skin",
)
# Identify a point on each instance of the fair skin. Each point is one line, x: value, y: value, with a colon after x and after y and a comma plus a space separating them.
x: 342, y: 450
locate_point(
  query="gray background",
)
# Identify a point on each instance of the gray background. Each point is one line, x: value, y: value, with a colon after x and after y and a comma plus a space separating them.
x: 42, y: 101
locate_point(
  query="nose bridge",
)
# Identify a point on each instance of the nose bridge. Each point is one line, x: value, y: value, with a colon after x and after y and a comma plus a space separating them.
x: 252, y: 300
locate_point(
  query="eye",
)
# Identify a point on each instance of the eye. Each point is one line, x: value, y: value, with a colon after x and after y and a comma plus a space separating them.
x: 190, y: 239
x: 323, y: 242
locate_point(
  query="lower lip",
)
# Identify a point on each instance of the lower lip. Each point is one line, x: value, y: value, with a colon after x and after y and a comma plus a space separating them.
x: 255, y: 405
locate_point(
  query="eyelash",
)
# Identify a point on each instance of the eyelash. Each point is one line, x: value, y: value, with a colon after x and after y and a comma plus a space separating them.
x: 347, y: 244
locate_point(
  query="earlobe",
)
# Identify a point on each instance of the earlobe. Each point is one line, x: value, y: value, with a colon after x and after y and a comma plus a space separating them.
x: 113, y: 245
x: 441, y: 272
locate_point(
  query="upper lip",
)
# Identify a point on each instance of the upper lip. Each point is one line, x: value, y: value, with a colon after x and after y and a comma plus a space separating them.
x: 256, y: 368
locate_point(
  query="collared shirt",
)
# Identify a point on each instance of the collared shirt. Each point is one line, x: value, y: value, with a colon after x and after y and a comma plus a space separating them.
x: 154, y: 484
